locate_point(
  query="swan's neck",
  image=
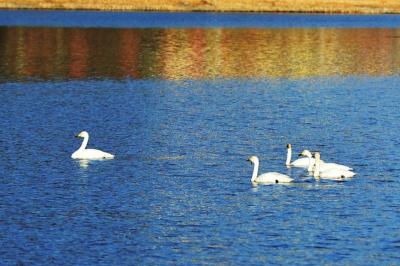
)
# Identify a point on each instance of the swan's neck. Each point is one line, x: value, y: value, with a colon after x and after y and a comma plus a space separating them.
x: 84, y: 143
x: 288, y: 156
x: 310, y: 164
x: 316, y: 169
x: 255, y: 172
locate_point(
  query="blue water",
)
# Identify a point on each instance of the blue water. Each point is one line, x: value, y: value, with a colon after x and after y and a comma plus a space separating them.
x: 182, y: 116
x: 179, y: 190
x: 95, y: 19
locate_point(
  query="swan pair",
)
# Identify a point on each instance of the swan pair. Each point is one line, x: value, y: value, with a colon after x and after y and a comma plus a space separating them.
x: 309, y: 162
x: 334, y: 173
x: 324, y: 170
x: 323, y: 166
x: 89, y: 154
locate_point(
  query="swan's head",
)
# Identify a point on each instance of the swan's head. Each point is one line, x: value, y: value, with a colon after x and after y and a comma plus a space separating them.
x: 253, y: 159
x: 289, y: 146
x: 306, y: 153
x: 83, y: 134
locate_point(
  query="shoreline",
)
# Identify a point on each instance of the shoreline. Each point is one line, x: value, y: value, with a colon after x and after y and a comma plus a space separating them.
x: 287, y: 6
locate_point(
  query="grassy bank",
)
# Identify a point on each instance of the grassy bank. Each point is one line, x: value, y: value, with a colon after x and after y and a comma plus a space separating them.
x: 329, y: 6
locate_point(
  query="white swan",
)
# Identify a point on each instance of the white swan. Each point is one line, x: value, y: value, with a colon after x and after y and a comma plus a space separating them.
x: 267, y: 178
x: 301, y: 163
x: 331, y: 173
x: 89, y: 154
x: 323, y: 165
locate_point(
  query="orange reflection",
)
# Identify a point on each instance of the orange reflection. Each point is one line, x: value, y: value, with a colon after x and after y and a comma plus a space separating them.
x: 129, y: 56
x: 61, y: 53
x: 78, y: 55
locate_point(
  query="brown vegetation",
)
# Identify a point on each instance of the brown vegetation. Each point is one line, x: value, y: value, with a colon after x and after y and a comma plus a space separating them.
x: 331, y: 6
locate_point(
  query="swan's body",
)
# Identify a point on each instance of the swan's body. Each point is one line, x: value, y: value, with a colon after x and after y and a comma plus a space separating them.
x: 301, y: 163
x: 336, y: 174
x: 267, y: 178
x: 331, y: 173
x: 89, y: 154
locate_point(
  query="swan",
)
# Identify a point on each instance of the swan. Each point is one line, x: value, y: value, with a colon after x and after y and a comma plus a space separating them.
x: 323, y: 165
x: 267, y: 178
x: 331, y: 173
x: 89, y: 154
x: 301, y: 163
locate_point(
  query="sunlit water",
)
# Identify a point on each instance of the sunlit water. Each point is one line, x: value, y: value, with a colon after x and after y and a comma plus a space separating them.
x: 182, y: 109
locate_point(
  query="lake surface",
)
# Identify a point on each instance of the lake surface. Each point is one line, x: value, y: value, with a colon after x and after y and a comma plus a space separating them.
x: 182, y: 108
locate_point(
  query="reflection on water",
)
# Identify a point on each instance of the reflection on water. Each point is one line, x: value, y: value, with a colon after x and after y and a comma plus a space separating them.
x: 84, y: 164
x: 65, y: 53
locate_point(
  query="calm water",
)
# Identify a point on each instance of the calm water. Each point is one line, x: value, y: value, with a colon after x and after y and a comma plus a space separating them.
x: 182, y: 109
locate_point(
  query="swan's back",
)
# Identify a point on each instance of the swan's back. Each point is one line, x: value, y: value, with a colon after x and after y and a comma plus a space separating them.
x: 302, y: 162
x: 273, y: 178
x: 328, y: 166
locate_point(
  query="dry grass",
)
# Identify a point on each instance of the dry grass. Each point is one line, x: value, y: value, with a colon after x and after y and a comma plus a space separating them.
x: 331, y: 6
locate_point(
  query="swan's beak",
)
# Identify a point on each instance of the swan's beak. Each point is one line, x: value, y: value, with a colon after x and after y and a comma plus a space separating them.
x: 77, y: 136
x: 300, y: 155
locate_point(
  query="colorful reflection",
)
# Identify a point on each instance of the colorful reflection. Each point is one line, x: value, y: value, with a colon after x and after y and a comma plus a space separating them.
x: 65, y: 53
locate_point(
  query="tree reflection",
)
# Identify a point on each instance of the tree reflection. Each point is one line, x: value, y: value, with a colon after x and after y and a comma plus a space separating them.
x: 65, y: 53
